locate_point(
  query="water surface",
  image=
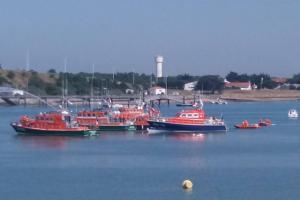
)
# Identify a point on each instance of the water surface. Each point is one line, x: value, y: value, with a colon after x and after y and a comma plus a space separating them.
x: 239, y: 164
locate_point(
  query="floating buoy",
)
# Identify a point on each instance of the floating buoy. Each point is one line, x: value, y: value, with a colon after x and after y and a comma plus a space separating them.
x: 187, y: 184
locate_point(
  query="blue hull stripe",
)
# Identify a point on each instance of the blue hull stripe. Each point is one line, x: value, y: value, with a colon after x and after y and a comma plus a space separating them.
x: 154, y: 125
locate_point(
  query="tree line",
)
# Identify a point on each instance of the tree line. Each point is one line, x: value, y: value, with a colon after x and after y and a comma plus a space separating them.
x: 106, y: 83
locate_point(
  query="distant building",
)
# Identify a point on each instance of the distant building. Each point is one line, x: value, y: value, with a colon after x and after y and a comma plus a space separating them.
x: 129, y: 91
x: 238, y: 85
x: 279, y: 80
x: 190, y: 86
x: 157, y: 90
x: 11, y: 91
x: 288, y: 86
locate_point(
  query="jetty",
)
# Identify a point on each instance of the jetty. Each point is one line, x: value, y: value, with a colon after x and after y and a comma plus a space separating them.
x: 11, y: 96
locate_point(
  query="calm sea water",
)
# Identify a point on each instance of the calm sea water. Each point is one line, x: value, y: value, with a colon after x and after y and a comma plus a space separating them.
x: 239, y: 164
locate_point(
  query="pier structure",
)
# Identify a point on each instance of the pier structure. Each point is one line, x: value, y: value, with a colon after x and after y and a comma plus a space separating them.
x: 12, y: 97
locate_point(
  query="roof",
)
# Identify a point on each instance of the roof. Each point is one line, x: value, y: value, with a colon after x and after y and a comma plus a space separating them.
x: 156, y: 87
x: 279, y: 79
x: 238, y: 84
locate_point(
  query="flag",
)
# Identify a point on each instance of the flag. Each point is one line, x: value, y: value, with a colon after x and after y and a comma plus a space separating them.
x: 201, y: 103
x: 69, y: 102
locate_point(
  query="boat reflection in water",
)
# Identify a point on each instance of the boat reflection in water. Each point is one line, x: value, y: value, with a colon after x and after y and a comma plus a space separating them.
x: 49, y: 142
x: 188, y: 136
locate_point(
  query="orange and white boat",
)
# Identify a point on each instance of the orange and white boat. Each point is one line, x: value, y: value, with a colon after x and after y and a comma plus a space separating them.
x: 89, y: 117
x: 53, y: 123
x: 246, y: 125
x: 103, y: 121
x: 137, y: 115
x: 265, y: 122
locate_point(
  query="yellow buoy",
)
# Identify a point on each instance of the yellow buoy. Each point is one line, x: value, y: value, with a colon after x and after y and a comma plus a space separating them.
x: 187, y: 184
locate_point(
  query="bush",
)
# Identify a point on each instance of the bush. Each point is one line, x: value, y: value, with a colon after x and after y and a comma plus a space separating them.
x: 11, y: 75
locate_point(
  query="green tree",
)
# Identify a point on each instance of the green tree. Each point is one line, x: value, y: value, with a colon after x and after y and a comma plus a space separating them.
x: 295, y: 79
x: 51, y: 71
x: 210, y: 83
x: 11, y: 74
x: 235, y: 77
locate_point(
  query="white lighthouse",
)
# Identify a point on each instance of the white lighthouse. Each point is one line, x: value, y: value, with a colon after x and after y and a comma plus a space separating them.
x: 159, y: 70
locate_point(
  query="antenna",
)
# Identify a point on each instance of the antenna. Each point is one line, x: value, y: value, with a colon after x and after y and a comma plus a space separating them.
x: 132, y: 77
x: 166, y: 79
x: 66, y: 77
x: 92, y: 82
x: 27, y: 69
x: 27, y: 60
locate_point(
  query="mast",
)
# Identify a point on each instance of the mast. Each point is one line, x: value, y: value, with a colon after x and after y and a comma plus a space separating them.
x: 92, y: 82
x: 64, y: 85
x: 27, y: 69
x: 132, y: 77
x: 66, y: 78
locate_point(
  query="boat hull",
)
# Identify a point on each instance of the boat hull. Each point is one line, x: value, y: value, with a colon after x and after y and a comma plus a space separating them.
x: 156, y: 126
x: 247, y: 127
x: 116, y: 128
x: 184, y: 105
x: 34, y: 131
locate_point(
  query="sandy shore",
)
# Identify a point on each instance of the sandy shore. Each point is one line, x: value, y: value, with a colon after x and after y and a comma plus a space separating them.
x: 261, y: 95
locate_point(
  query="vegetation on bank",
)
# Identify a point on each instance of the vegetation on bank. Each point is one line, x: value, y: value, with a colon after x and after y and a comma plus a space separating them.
x: 52, y: 82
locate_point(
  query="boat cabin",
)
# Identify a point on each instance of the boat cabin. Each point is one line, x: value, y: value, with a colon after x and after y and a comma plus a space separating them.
x: 191, y: 114
x: 91, y: 114
x: 47, y: 120
x: 189, y: 117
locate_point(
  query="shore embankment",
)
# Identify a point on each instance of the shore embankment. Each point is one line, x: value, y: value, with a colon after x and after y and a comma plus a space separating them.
x: 260, y: 95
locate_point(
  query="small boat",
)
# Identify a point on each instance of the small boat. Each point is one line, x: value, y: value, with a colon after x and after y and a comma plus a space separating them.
x: 293, y: 113
x: 54, y: 123
x: 245, y: 125
x: 193, y: 120
x: 184, y: 104
x: 264, y: 122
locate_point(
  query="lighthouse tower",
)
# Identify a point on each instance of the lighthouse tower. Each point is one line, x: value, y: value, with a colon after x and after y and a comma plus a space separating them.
x: 159, y: 70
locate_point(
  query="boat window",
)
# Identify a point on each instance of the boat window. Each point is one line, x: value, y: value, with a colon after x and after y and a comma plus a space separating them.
x: 190, y: 115
x: 195, y: 115
x: 183, y: 115
x: 68, y: 119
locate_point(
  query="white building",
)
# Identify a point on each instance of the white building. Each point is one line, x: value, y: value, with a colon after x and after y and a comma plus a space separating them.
x: 190, y: 86
x: 157, y: 91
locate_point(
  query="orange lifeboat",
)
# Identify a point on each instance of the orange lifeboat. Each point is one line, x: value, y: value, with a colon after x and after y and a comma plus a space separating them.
x: 245, y: 125
x: 265, y: 122
x: 54, y: 123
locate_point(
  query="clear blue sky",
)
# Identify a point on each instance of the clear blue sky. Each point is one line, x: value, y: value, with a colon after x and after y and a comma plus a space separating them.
x: 195, y: 36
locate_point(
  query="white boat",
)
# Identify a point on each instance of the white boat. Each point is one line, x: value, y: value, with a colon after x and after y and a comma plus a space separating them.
x: 293, y: 113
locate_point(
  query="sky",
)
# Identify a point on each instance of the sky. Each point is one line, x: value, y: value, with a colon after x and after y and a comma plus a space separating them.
x: 197, y: 37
